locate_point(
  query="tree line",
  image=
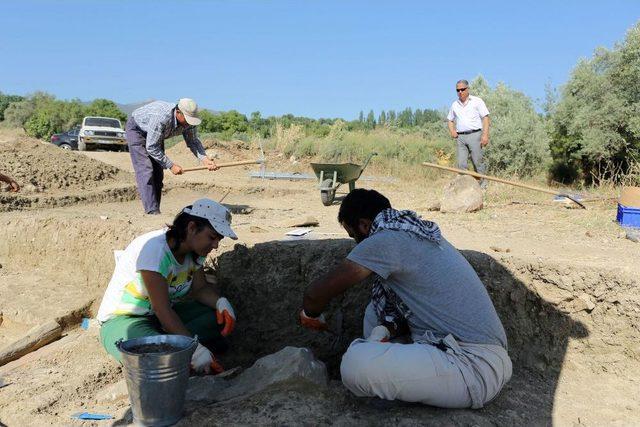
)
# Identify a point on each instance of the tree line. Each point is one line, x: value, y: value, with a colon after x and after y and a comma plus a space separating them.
x: 41, y: 114
x: 406, y: 118
x: 589, y: 129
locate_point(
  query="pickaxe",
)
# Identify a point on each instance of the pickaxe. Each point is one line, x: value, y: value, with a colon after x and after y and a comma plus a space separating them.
x: 260, y: 161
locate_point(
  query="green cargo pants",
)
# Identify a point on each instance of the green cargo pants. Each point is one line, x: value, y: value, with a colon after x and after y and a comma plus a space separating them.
x: 197, y: 318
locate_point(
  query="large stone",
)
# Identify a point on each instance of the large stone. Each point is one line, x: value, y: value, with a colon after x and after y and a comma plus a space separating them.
x: 462, y: 194
x: 206, y: 389
x: 291, y: 364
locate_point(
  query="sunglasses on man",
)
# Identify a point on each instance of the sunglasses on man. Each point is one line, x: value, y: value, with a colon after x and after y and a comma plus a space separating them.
x: 462, y: 89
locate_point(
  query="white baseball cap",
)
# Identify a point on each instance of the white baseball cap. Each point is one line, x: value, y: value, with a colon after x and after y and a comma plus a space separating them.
x: 218, y: 216
x: 190, y: 110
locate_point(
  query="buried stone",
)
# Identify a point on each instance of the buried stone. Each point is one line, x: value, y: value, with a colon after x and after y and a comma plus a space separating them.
x: 291, y: 364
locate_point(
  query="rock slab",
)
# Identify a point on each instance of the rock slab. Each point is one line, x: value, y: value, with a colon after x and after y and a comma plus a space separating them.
x: 462, y: 194
x: 291, y: 364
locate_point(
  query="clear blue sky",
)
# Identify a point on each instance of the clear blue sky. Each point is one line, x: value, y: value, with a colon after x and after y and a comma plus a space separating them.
x: 312, y: 58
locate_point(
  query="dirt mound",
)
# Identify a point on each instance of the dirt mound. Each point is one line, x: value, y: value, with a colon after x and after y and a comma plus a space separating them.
x: 41, y: 167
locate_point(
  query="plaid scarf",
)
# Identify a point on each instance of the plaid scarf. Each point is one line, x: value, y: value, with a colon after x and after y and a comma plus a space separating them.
x: 387, y: 304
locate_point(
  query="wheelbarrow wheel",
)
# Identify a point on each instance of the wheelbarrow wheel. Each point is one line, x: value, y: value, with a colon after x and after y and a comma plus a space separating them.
x: 328, y: 195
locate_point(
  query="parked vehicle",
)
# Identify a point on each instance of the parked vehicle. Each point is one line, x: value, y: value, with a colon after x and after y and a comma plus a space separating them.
x: 101, y: 132
x: 67, y: 140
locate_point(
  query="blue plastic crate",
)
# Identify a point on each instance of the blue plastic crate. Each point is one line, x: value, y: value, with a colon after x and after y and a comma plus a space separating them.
x: 628, y: 216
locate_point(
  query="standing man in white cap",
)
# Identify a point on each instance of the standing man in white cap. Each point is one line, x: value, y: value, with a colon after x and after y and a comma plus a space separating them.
x: 146, y: 130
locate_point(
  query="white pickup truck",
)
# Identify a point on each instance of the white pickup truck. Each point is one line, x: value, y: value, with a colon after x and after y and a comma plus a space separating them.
x: 101, y: 132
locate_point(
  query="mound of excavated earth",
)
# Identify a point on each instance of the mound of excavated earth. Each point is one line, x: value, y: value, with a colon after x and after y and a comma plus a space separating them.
x: 50, y: 176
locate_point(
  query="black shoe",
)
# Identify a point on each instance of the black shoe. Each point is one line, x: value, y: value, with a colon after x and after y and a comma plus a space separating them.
x: 156, y: 212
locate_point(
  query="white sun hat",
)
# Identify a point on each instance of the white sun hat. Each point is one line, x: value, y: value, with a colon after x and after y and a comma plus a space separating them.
x: 218, y: 216
x: 190, y: 110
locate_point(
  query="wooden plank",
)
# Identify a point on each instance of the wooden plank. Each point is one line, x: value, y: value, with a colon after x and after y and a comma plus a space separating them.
x: 37, y: 337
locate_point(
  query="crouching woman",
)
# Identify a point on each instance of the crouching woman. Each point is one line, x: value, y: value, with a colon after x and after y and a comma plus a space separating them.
x: 158, y: 286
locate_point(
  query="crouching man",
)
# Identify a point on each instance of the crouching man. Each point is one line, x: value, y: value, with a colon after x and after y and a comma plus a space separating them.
x: 456, y: 355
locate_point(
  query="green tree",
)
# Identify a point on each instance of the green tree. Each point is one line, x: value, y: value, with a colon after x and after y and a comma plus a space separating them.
x: 228, y: 123
x: 52, y: 116
x: 418, y: 117
x: 105, y: 108
x: 392, y: 118
x: 371, y: 120
x: 519, y: 144
x: 5, y: 100
x: 596, y: 123
x: 431, y: 116
x: 405, y: 118
x: 382, y: 119
x: 17, y: 113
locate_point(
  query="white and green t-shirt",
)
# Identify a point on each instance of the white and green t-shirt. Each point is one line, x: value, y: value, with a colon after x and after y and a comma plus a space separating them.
x: 127, y: 293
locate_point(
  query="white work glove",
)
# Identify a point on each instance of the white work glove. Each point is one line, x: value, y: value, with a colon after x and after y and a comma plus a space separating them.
x: 201, y: 360
x: 379, y: 334
x: 225, y: 315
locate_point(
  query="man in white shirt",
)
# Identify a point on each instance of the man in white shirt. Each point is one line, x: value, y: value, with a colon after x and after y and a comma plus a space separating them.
x: 468, y: 122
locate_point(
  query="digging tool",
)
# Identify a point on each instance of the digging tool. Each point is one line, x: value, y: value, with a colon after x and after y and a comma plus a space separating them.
x: 260, y: 161
x: 223, y: 197
x: 337, y: 332
x: 226, y: 165
x: 504, y: 181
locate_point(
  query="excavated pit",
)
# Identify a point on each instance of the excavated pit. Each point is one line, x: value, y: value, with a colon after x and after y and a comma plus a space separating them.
x: 567, y: 326
x: 561, y: 321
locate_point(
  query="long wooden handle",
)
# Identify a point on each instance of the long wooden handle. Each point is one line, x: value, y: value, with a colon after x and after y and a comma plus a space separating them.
x: 504, y: 181
x: 491, y: 178
x: 225, y: 165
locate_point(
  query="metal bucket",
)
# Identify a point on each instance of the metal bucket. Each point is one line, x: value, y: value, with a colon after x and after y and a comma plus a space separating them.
x: 157, y: 382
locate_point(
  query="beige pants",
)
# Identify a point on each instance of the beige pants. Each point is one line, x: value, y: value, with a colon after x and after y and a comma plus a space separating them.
x: 464, y: 376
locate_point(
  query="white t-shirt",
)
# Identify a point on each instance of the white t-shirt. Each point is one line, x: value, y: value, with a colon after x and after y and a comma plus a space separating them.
x: 468, y: 116
x: 127, y: 293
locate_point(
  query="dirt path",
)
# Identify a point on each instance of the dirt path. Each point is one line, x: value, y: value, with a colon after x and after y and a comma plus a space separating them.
x: 56, y: 253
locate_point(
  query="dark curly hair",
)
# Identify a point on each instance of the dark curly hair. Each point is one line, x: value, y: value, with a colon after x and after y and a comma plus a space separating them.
x: 361, y: 203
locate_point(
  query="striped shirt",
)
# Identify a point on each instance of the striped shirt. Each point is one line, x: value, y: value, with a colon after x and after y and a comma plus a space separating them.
x: 158, y: 121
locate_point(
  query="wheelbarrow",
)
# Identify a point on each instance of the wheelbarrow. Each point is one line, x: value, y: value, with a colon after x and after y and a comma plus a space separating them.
x: 331, y: 176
